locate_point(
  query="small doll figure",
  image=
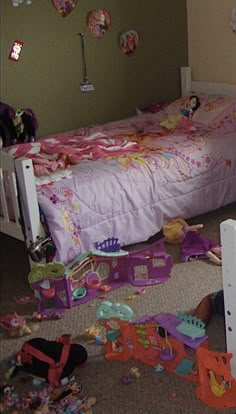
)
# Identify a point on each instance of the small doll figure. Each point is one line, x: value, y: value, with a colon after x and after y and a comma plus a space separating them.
x: 191, y: 106
x: 184, y: 118
x: 193, y: 244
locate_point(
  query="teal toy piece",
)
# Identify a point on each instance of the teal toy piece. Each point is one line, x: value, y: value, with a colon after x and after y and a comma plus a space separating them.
x: 112, y: 335
x: 79, y: 293
x: 191, y: 326
x: 184, y: 367
x: 120, y: 253
x: 108, y: 310
x: 158, y: 368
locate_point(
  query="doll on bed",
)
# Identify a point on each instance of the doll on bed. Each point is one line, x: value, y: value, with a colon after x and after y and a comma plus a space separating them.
x: 184, y: 118
x: 193, y: 244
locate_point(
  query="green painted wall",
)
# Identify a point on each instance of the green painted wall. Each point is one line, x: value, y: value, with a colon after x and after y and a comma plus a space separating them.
x: 47, y: 77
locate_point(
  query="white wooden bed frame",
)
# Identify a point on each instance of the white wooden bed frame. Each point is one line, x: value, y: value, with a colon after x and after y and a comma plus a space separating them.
x: 22, y: 187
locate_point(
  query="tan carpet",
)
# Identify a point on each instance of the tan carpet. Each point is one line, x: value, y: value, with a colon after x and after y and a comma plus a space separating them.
x: 152, y: 393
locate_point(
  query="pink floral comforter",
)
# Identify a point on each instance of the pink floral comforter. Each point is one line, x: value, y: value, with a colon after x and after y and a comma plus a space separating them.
x: 129, y: 177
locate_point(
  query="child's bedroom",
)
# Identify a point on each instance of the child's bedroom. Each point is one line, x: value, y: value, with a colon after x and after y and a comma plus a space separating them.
x: 118, y: 206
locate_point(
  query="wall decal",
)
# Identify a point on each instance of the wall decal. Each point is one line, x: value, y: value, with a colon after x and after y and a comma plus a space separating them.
x: 16, y: 50
x: 128, y: 41
x: 98, y: 22
x: 64, y: 7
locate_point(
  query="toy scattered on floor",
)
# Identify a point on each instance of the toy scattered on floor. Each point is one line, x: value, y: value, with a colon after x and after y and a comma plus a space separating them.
x: 132, y: 376
x: 158, y: 368
x: 162, y: 341
x: 92, y: 332
x: 16, y: 326
x: 217, y: 387
x: 23, y: 300
x: 140, y: 291
x: 50, y: 360
x: 100, y: 270
x: 66, y: 398
x: 193, y: 244
x: 49, y: 314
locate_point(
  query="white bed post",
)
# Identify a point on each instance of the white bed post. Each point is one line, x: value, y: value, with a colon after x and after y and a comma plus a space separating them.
x: 185, y: 73
x: 29, y: 201
x: 228, y: 241
x: 9, y: 220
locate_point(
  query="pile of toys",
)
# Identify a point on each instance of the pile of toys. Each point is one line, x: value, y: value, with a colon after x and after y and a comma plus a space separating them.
x: 66, y: 398
x: 161, y: 341
x: 96, y: 272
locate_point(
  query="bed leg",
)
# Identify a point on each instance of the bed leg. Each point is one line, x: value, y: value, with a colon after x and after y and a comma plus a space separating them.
x: 29, y: 203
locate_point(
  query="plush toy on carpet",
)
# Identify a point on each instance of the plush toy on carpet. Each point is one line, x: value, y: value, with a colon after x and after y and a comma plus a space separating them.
x: 50, y: 360
x: 193, y: 244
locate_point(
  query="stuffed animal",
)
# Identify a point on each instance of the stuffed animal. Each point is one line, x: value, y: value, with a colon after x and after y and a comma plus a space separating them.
x: 50, y: 360
x: 16, y: 325
x: 16, y: 126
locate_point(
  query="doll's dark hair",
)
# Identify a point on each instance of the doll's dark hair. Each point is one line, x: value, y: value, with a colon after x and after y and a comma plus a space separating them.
x: 198, y: 102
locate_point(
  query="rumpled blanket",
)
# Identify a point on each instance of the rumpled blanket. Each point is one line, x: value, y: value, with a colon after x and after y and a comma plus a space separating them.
x: 52, y: 154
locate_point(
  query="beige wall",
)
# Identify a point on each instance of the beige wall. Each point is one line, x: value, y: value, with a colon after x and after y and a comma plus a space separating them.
x: 212, y: 44
x: 47, y: 77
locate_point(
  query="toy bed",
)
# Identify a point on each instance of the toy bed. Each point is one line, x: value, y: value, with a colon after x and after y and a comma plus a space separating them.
x: 125, y: 178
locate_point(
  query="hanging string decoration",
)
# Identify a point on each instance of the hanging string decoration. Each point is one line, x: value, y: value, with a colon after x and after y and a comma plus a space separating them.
x: 64, y: 7
x: 85, y: 86
x: 98, y: 22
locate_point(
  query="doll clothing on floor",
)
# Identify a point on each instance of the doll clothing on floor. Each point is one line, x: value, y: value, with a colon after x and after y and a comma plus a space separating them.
x: 196, y: 245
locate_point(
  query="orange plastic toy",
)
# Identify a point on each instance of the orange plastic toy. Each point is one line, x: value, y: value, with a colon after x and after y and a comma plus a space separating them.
x: 150, y: 343
x: 217, y: 387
